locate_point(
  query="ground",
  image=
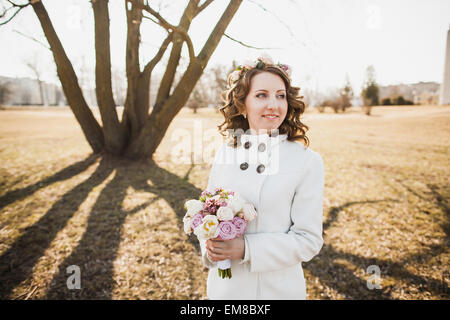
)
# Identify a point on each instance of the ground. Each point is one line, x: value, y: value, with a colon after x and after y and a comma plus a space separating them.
x: 386, y: 207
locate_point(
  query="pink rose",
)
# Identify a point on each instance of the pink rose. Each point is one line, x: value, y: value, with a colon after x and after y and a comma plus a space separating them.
x: 196, y: 220
x: 227, y: 230
x: 240, y: 225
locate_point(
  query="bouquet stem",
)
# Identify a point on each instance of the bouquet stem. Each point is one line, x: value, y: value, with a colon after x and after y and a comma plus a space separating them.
x: 225, y: 273
x: 224, y: 268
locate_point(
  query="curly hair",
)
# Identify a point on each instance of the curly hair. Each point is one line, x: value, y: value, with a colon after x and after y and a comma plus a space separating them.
x: 234, y: 105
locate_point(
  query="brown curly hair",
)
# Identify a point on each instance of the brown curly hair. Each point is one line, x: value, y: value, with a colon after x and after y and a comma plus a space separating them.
x: 234, y: 99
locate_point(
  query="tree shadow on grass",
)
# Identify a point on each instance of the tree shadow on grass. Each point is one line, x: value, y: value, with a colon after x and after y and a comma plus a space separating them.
x: 17, y: 262
x: 336, y: 268
x: 333, y: 212
x: 96, y: 251
x: 64, y: 174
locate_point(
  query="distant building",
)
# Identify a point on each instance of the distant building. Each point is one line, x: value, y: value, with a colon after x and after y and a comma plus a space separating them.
x: 427, y: 98
x: 445, y: 88
x: 425, y: 93
x: 25, y: 91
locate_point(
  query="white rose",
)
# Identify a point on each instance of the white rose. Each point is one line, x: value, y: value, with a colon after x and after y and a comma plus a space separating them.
x: 225, y: 213
x: 193, y: 207
x: 235, y: 202
x: 191, y: 213
x: 288, y: 70
x: 249, y: 211
x: 266, y: 58
x: 235, y: 75
x: 187, y: 224
x: 209, y: 228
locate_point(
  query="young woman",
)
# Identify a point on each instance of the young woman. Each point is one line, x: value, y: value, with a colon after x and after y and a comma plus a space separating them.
x: 268, y: 162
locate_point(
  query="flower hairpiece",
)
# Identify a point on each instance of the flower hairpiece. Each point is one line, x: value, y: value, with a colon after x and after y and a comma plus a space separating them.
x: 259, y: 63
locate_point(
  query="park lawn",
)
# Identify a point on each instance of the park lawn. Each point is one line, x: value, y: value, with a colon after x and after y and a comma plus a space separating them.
x: 386, y: 207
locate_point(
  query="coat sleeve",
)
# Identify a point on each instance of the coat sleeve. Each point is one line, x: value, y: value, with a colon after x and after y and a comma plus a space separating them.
x: 212, y: 180
x: 274, y: 251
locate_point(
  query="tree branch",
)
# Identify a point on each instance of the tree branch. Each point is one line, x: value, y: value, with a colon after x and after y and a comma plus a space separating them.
x: 166, y: 25
x: 69, y: 81
x: 34, y: 39
x: 114, y: 140
x: 152, y: 63
x: 175, y: 55
x: 201, y: 7
x: 144, y: 80
x: 217, y: 33
x: 134, y: 19
x: 246, y: 45
x: 13, y: 5
x: 279, y: 20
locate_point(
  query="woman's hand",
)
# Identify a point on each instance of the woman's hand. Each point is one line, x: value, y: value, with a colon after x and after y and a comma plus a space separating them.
x: 225, y: 249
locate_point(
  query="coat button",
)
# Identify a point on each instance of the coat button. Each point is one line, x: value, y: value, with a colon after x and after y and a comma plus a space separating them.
x: 247, y: 144
x: 262, y: 147
x: 244, y: 166
x: 260, y: 168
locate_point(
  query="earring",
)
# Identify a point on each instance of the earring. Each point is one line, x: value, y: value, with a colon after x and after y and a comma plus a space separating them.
x: 245, y: 116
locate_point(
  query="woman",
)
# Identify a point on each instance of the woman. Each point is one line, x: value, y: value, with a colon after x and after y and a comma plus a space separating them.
x: 269, y: 163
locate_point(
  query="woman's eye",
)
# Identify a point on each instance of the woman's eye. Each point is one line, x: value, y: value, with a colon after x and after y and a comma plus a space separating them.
x: 263, y: 95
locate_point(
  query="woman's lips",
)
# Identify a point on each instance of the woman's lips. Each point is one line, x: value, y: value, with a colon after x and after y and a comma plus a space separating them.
x: 270, y: 117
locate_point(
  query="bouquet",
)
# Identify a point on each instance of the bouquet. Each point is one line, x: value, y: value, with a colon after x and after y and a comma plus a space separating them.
x: 223, y: 214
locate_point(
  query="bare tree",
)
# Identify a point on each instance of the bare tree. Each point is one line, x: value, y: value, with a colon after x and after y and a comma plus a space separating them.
x: 220, y: 74
x: 346, y: 94
x: 370, y: 90
x: 139, y: 132
x: 33, y: 63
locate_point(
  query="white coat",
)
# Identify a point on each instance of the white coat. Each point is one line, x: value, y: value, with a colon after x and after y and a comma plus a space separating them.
x: 288, y: 198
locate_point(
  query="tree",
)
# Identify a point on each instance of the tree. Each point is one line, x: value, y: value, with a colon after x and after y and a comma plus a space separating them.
x: 370, y: 91
x: 220, y: 75
x: 346, y: 95
x: 386, y: 102
x: 139, y: 132
x: 400, y: 101
x: 33, y: 63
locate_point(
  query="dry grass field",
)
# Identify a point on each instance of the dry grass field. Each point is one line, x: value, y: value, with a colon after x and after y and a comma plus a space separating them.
x: 386, y: 205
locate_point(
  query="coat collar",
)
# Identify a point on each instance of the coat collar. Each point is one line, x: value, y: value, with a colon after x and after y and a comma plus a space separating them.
x: 256, y: 139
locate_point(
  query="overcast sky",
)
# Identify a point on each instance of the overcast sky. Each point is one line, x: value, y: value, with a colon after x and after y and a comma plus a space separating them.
x: 321, y: 39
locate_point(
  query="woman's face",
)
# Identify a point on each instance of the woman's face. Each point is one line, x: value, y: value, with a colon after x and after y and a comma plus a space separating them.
x: 266, y: 102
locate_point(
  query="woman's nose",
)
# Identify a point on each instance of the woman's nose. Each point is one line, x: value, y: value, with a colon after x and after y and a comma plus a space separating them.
x: 272, y: 103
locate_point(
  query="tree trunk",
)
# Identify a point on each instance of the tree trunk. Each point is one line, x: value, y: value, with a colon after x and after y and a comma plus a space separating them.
x: 41, y: 91
x: 69, y: 81
x: 130, y: 120
x: 114, y: 137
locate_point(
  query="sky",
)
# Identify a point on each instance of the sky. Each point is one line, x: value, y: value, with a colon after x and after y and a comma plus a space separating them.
x: 323, y: 40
